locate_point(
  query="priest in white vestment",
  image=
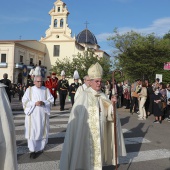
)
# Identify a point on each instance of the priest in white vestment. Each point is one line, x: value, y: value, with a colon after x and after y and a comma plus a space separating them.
x: 89, y: 142
x: 37, y: 104
x: 8, y: 153
x: 83, y: 87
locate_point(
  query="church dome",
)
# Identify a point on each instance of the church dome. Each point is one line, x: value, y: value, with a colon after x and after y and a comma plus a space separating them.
x: 86, y: 37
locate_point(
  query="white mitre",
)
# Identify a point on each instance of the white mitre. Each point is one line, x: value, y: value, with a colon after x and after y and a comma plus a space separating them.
x: 95, y: 71
x: 76, y: 75
x: 63, y: 73
x: 31, y: 72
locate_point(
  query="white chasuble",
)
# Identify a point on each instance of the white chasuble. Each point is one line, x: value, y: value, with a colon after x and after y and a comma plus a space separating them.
x: 89, y: 140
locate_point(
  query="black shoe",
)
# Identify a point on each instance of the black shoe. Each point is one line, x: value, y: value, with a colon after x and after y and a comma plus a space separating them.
x: 160, y: 121
x: 32, y: 155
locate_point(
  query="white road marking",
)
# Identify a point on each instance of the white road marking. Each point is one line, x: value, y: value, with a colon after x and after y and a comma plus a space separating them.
x: 51, y: 115
x: 50, y: 120
x: 145, y: 156
x: 51, y: 135
x: 126, y: 131
x: 45, y: 165
x: 52, y: 111
x: 57, y: 126
x: 136, y: 140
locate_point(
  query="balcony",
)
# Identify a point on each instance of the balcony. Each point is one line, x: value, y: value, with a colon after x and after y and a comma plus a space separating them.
x: 29, y: 67
x: 3, y: 65
x: 19, y: 65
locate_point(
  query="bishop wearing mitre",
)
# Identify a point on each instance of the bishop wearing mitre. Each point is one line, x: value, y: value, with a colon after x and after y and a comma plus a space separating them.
x: 89, y: 141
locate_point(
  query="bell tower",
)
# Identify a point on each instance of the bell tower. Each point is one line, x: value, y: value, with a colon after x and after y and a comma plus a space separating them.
x: 59, y: 24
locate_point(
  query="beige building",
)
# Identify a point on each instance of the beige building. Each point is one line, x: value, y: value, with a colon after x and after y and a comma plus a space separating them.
x: 58, y: 43
x: 16, y: 55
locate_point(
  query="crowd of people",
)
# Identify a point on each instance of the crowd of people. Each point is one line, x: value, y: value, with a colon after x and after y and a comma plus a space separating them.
x: 91, y: 119
x: 143, y: 98
x: 95, y: 101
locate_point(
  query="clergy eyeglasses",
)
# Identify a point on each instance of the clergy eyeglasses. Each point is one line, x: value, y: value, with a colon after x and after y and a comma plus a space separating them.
x: 97, y: 81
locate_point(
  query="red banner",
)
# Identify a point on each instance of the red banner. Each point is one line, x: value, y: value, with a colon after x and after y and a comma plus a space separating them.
x: 167, y: 66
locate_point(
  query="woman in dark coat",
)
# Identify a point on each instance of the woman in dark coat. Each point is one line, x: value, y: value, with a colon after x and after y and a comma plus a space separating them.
x: 157, y: 106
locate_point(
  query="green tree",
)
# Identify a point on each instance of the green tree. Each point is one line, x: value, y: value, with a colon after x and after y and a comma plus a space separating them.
x: 141, y: 56
x: 167, y: 35
x: 81, y: 63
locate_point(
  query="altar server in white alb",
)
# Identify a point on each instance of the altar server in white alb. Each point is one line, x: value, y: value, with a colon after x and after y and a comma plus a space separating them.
x: 37, y: 104
x: 89, y: 141
x: 8, y: 153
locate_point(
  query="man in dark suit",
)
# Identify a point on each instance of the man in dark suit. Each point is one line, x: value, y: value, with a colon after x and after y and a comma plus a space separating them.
x: 74, y: 86
x: 63, y: 87
x: 30, y: 81
x: 72, y: 90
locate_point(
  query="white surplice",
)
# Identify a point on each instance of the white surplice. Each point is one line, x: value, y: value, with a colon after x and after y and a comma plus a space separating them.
x: 89, y: 142
x: 8, y: 153
x: 37, y: 117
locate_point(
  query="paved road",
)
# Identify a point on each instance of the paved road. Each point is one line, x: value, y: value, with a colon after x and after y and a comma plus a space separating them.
x: 147, y: 144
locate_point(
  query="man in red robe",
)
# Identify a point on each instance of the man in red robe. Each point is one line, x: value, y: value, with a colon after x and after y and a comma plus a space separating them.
x: 53, y: 86
x: 48, y: 83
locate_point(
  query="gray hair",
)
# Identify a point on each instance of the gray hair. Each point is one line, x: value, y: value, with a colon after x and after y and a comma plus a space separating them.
x: 35, y: 78
x: 85, y: 77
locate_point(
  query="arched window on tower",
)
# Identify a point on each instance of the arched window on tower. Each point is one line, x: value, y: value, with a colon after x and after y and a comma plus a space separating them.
x: 58, y: 9
x: 55, y: 23
x: 61, y: 23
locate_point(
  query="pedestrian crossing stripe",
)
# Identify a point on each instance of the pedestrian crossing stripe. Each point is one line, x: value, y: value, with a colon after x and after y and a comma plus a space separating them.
x: 57, y: 126
x: 52, y: 111
x: 46, y: 165
x: 62, y: 135
x: 51, y: 115
x: 128, y: 141
x: 50, y: 120
x: 130, y: 158
x: 56, y: 147
x: 145, y: 156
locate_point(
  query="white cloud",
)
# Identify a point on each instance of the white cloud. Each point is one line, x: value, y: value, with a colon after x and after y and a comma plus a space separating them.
x: 159, y: 27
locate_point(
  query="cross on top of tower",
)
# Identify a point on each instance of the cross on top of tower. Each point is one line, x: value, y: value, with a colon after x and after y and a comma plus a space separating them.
x: 86, y: 24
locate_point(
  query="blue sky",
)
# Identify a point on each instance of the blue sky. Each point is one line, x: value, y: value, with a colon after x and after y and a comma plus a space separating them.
x: 30, y: 19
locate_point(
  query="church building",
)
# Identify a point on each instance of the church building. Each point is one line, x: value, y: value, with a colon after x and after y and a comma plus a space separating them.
x: 18, y: 56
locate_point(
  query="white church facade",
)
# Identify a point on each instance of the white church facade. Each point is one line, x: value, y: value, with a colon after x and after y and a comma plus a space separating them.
x: 18, y: 56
